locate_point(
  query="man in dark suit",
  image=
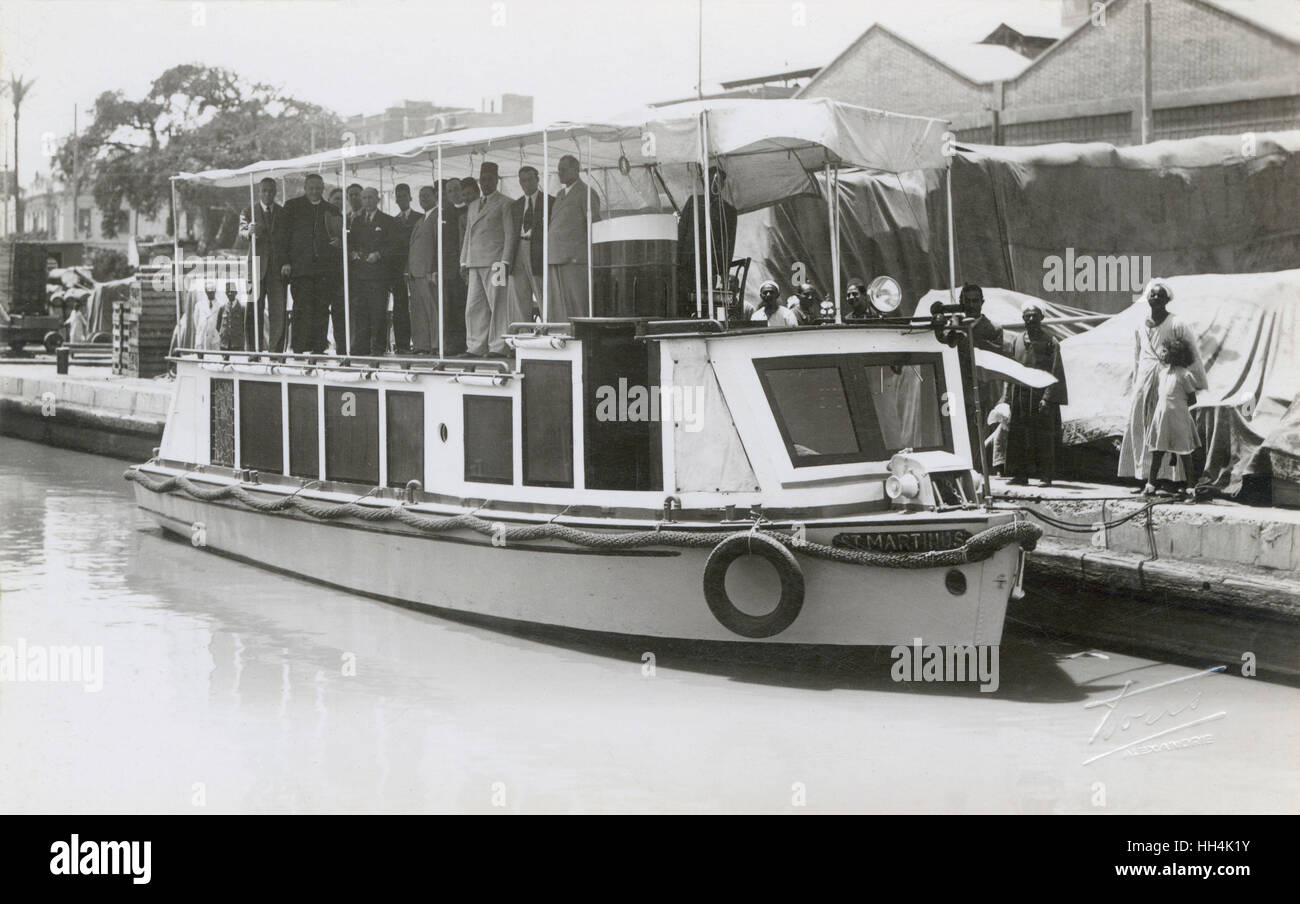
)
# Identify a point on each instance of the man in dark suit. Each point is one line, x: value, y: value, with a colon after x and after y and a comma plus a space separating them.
x: 371, y: 247
x: 525, y: 253
x: 311, y: 262
x: 722, y: 229
x: 454, y: 289
x: 403, y: 224
x: 264, y: 226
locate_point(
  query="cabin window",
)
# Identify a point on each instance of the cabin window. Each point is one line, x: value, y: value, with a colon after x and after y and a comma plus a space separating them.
x: 548, y: 423
x: 405, y: 437
x: 489, y: 439
x: 352, y: 435
x: 221, y: 423
x: 834, y: 409
x: 261, y: 426
x: 304, y: 431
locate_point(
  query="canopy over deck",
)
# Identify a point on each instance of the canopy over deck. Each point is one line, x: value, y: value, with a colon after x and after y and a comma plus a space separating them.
x: 768, y: 148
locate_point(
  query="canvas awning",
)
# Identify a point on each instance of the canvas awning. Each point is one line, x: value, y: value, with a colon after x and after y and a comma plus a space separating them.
x: 769, y: 149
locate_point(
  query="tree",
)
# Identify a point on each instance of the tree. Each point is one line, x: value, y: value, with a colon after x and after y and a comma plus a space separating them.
x: 193, y: 118
x: 17, y: 91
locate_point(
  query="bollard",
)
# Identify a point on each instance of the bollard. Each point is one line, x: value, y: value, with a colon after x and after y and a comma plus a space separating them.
x: 62, y: 355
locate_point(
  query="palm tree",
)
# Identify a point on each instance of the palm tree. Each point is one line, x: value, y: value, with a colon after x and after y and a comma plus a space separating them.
x: 17, y: 91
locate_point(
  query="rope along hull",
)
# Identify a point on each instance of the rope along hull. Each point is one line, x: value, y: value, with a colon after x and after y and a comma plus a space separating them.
x: 643, y: 583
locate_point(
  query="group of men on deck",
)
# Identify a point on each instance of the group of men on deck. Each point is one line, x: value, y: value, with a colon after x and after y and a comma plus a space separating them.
x: 487, y: 251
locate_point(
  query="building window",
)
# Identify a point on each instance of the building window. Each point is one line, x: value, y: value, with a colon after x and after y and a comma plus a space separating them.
x: 261, y: 426
x: 489, y: 439
x: 548, y: 423
x: 405, y: 412
x: 352, y: 435
x: 83, y: 223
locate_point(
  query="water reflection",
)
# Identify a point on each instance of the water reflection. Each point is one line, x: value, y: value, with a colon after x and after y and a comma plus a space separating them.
x: 231, y: 689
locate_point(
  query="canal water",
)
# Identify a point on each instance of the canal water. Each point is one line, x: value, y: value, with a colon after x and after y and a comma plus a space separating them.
x: 225, y: 688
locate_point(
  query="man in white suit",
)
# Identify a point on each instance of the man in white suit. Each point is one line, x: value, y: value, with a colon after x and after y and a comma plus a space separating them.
x: 421, y: 270
x: 566, y: 237
x: 489, y: 230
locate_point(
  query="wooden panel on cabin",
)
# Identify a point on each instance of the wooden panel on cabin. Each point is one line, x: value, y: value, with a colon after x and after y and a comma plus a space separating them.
x: 620, y: 406
x: 304, y: 431
x: 489, y: 439
x: 221, y: 423
x: 261, y: 426
x: 405, y: 437
x: 352, y: 435
x: 548, y: 423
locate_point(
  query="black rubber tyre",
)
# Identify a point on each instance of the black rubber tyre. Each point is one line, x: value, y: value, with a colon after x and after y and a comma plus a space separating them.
x: 726, y: 612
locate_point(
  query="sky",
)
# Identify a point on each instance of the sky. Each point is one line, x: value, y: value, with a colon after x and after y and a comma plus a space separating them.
x: 576, y: 57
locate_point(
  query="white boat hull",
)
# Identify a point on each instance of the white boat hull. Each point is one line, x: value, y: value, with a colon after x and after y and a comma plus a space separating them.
x: 653, y: 592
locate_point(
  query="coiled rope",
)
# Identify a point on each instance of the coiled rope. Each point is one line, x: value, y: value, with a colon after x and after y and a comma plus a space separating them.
x: 976, y: 548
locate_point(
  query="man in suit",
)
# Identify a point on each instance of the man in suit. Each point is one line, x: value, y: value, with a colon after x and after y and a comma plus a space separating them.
x: 722, y: 229
x: 489, y: 229
x: 422, y: 273
x: 264, y: 225
x: 453, y: 287
x: 371, y: 246
x: 311, y: 262
x: 525, y: 254
x: 403, y: 223
x: 566, y: 237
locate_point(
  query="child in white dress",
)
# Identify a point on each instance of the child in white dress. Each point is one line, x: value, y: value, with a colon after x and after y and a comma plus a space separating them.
x: 1172, y: 429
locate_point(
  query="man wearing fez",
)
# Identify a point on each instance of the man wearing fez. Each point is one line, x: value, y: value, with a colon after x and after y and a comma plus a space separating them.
x: 265, y: 224
x: 489, y: 229
x: 311, y: 262
x: 721, y: 226
x: 566, y: 238
x: 371, y: 244
x: 526, y: 254
x: 403, y: 223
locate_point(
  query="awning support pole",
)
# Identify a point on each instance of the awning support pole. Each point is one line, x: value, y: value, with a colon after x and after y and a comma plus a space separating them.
x: 254, y: 265
x: 591, y: 298
x: 832, y: 178
x: 546, y: 229
x: 442, y: 277
x: 347, y: 310
x: 176, y: 249
x: 708, y: 211
x: 695, y: 251
x: 952, y: 251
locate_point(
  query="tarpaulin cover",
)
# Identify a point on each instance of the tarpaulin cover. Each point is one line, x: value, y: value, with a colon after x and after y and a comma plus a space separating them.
x: 1217, y: 204
x: 1248, y: 327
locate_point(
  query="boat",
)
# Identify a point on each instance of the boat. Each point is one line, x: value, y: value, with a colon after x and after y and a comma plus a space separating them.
x: 695, y: 479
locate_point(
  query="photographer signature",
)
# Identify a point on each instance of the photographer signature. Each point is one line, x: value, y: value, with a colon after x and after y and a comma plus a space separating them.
x: 1112, y: 722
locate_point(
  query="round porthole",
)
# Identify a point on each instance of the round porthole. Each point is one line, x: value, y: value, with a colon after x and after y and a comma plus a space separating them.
x: 442, y: 432
x: 955, y: 581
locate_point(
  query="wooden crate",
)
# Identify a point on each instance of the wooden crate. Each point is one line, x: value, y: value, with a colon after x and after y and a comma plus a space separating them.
x: 142, y: 329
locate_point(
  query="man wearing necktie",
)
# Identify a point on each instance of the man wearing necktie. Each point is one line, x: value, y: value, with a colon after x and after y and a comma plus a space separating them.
x: 525, y: 255
x: 489, y: 232
x: 370, y: 250
x: 403, y: 223
x: 265, y: 222
x: 422, y: 273
x: 566, y: 236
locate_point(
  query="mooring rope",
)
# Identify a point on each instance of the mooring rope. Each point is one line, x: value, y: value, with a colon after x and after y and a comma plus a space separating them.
x: 977, y: 548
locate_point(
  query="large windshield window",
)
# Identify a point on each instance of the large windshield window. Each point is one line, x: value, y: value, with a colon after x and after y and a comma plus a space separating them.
x: 833, y: 409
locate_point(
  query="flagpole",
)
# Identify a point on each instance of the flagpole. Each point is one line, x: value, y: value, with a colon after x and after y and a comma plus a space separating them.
x: 546, y: 226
